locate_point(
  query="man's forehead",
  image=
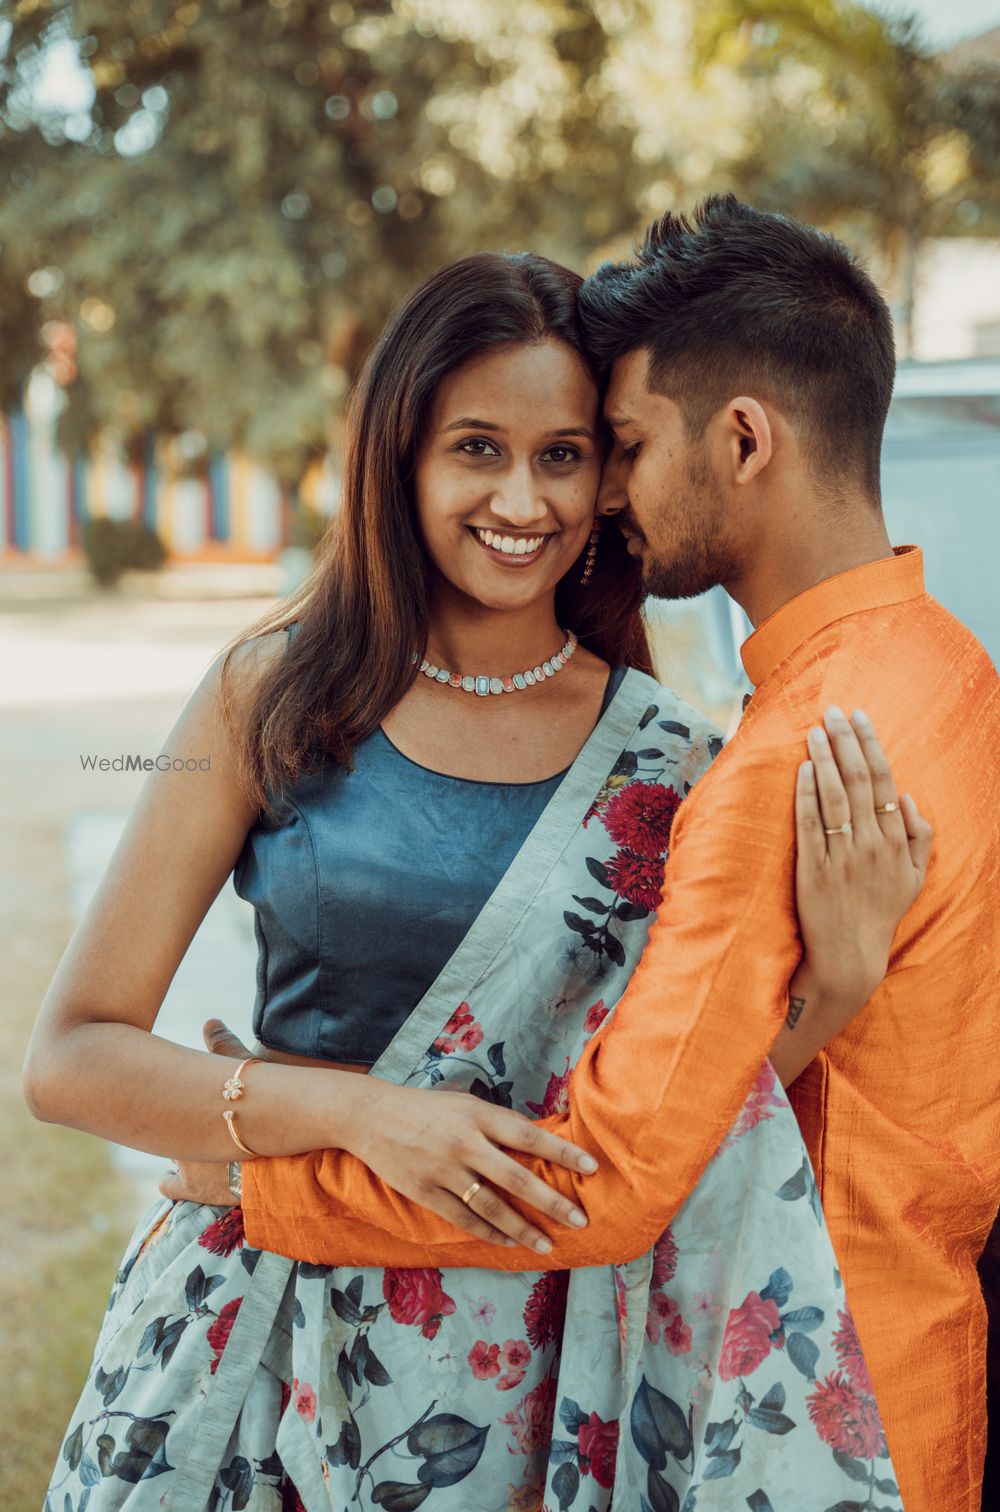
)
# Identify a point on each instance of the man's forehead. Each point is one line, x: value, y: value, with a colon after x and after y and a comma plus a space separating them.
x: 627, y: 393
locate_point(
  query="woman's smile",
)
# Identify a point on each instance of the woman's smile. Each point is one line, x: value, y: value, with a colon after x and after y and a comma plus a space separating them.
x: 511, y: 550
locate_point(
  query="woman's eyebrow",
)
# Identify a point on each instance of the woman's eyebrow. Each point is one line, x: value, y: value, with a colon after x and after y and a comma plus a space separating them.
x: 468, y: 422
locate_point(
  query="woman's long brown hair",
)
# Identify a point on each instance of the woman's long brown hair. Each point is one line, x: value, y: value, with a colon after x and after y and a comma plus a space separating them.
x: 362, y: 612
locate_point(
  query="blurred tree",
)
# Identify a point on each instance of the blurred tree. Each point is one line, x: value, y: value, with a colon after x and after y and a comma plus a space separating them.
x: 256, y: 182
x: 860, y: 127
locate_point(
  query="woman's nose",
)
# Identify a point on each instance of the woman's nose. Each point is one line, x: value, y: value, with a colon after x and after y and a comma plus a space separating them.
x: 519, y: 500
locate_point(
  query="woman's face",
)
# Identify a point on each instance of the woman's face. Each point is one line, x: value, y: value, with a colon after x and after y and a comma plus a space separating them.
x: 508, y: 472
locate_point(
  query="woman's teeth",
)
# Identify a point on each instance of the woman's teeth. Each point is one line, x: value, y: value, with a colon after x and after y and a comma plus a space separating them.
x: 511, y: 545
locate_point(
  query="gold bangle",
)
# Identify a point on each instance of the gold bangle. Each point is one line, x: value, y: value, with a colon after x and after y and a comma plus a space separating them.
x: 231, y: 1126
x: 232, y: 1091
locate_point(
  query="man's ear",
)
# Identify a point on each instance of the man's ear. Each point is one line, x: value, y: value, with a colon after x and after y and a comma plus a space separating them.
x: 750, y: 440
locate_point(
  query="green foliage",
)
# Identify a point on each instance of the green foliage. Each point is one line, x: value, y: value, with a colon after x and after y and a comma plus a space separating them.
x: 112, y: 546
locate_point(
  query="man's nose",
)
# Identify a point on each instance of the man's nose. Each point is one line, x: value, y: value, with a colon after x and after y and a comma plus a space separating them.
x: 612, y: 494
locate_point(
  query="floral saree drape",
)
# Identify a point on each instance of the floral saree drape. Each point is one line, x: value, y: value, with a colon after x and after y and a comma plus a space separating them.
x: 720, y: 1369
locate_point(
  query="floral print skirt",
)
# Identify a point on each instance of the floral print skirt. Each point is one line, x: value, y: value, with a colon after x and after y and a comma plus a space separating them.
x: 720, y: 1370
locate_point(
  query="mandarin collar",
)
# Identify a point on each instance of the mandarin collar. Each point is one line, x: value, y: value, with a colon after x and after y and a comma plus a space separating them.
x: 890, y: 580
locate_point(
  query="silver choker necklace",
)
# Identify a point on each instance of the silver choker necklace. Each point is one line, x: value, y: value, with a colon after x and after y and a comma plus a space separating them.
x: 517, y: 681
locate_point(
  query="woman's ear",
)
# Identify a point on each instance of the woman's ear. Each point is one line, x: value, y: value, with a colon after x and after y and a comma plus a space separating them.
x: 750, y: 439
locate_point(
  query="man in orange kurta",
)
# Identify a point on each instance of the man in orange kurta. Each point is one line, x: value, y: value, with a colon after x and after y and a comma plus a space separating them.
x: 901, y: 1113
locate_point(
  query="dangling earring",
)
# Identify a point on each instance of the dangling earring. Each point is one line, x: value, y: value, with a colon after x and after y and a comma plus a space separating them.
x: 595, y: 536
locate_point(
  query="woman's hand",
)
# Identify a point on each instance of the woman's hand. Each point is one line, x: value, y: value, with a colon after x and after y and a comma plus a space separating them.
x: 853, y: 886
x: 430, y: 1147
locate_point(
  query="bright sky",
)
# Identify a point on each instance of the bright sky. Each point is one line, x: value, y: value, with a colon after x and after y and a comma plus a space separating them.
x: 948, y: 21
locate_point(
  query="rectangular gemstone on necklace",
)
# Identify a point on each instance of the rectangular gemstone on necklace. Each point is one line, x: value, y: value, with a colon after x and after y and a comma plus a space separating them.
x: 519, y: 680
x: 508, y: 684
x: 529, y: 678
x: 483, y: 687
x: 455, y: 680
x: 469, y: 685
x: 496, y: 686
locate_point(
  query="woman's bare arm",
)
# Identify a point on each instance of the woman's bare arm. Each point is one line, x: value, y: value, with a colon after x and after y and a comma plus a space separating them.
x: 93, y: 1062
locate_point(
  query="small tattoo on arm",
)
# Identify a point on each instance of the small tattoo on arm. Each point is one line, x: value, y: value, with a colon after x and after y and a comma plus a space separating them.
x: 795, y: 1007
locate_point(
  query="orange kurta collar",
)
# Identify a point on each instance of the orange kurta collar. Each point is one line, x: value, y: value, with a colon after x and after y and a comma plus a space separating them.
x: 890, y: 580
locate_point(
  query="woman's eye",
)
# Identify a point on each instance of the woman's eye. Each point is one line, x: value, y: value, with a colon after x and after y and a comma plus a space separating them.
x: 478, y: 446
x: 563, y: 454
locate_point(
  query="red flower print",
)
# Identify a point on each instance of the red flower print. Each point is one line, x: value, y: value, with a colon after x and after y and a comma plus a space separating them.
x: 485, y: 1360
x: 598, y: 1443
x: 595, y: 1017
x: 417, y: 1296
x: 530, y: 1421
x: 224, y: 1235
x: 545, y: 1309
x: 515, y: 1357
x: 556, y: 1098
x: 218, y: 1334
x: 845, y: 1419
x: 305, y: 1401
x: 461, y: 1032
x: 677, y: 1337
x: 747, y: 1341
x: 637, y: 879
x: 848, y: 1347
x: 664, y: 1259
x: 640, y: 817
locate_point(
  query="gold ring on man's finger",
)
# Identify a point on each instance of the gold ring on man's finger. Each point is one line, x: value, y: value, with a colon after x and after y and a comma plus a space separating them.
x: 842, y: 829
x: 468, y: 1196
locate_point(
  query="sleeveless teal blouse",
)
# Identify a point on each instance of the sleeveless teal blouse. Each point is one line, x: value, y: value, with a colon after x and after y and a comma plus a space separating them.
x: 363, y: 887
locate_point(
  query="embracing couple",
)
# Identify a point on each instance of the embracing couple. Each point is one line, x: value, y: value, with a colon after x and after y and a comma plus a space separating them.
x: 705, y: 1235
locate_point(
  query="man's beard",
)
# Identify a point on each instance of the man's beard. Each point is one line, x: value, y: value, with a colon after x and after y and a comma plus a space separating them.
x: 699, y: 555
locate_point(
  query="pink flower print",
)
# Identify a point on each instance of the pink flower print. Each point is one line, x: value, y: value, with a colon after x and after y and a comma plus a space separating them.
x: 747, y: 1341
x: 515, y: 1357
x: 677, y: 1336
x: 664, y: 1260
x: 848, y: 1347
x: 595, y: 1017
x: 705, y: 1306
x: 761, y: 1104
x: 556, y: 1095
x: 461, y: 1032
x: 485, y: 1360
x: 304, y: 1398
x: 483, y: 1311
x: 661, y: 1310
x: 530, y: 1421
x: 846, y: 1419
x: 621, y: 1311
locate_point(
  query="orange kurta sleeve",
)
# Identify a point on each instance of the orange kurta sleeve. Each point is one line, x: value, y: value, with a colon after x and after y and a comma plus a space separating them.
x: 655, y: 1090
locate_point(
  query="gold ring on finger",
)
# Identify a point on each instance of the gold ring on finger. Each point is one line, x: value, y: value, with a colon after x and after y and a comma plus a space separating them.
x: 888, y: 808
x: 842, y: 829
x: 468, y: 1196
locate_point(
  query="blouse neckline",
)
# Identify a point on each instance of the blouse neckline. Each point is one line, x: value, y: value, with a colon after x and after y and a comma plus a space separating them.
x: 481, y: 782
